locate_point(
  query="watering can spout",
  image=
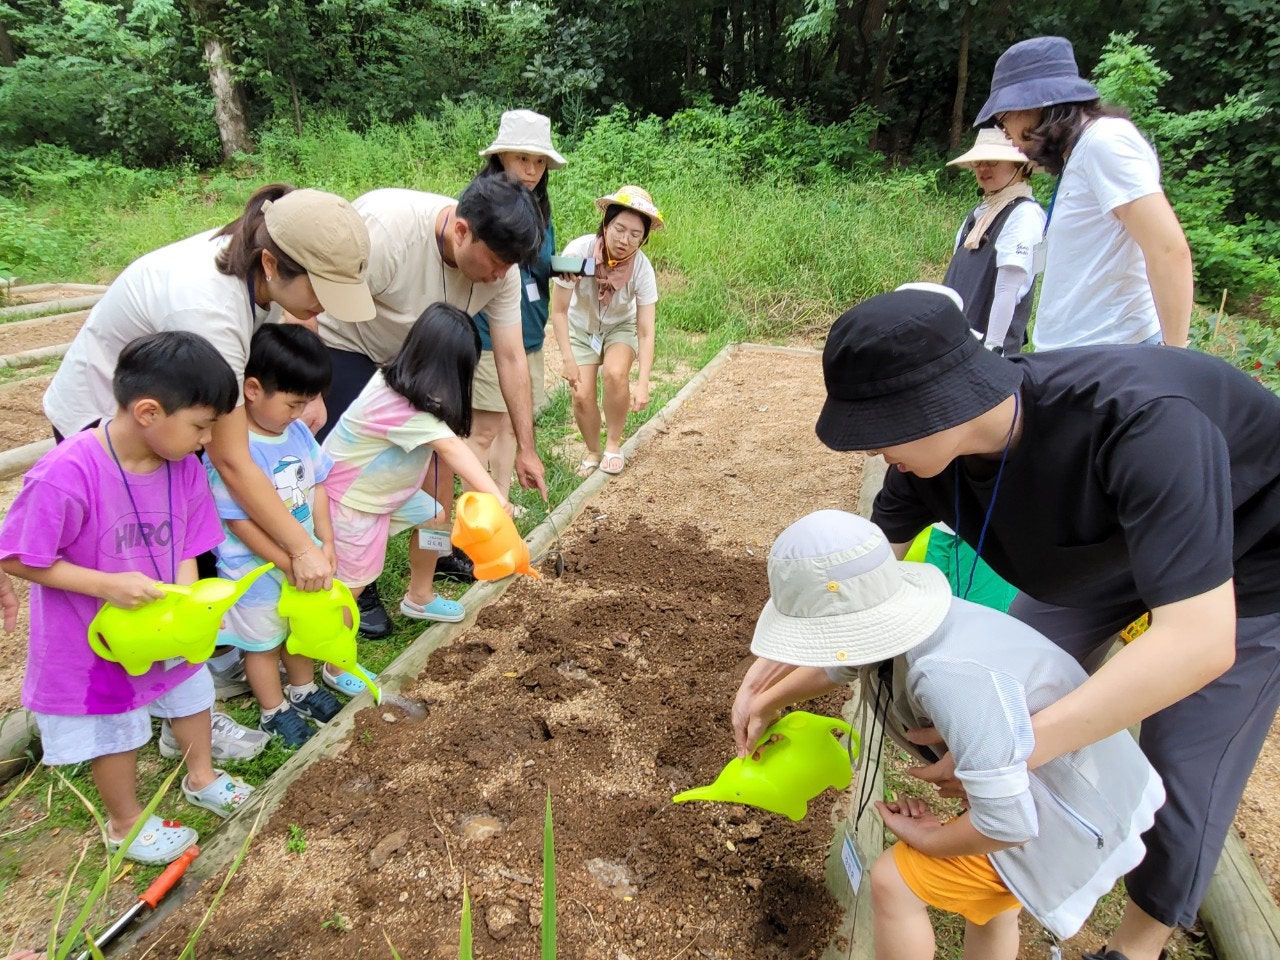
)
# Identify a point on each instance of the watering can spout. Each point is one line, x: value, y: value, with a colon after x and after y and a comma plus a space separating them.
x: 489, y: 537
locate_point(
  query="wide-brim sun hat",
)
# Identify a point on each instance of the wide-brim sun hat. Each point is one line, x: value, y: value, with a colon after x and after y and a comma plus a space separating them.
x: 905, y: 365
x: 634, y: 198
x: 839, y: 598
x: 991, y: 144
x: 325, y: 236
x: 523, y: 131
x: 1035, y: 73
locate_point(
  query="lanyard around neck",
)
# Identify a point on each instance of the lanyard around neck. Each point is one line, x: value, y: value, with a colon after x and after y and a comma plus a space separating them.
x: 986, y: 521
x: 168, y: 475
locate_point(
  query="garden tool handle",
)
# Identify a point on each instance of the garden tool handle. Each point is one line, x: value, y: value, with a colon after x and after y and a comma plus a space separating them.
x: 162, y: 884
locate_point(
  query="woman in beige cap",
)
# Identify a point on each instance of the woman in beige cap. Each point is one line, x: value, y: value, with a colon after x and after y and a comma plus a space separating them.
x: 991, y: 267
x: 523, y: 152
x: 300, y: 251
x: 604, y: 318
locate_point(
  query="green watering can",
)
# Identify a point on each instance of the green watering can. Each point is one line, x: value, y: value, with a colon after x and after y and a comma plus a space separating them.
x: 183, y: 623
x: 790, y: 772
x: 322, y: 626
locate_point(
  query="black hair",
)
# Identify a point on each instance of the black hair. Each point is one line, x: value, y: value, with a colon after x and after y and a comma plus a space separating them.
x: 504, y: 216
x: 242, y: 257
x: 435, y: 365
x: 611, y: 214
x: 494, y: 168
x: 1060, y: 124
x: 288, y: 357
x: 178, y: 370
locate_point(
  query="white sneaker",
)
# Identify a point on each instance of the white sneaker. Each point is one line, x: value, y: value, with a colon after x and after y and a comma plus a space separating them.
x: 230, y: 681
x: 231, y: 741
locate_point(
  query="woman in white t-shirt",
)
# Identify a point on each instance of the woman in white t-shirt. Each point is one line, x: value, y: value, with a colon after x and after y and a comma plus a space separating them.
x: 604, y: 318
x: 1117, y: 268
x: 991, y: 264
x: 300, y: 251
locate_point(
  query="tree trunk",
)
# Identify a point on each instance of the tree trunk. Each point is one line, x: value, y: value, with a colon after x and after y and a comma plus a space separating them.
x: 6, y: 48
x: 962, y: 79
x: 228, y: 101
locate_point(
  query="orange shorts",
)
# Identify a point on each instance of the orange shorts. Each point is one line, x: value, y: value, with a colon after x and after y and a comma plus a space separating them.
x: 968, y: 886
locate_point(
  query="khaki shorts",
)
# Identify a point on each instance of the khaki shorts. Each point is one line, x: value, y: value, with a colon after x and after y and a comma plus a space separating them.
x: 580, y: 341
x: 486, y: 395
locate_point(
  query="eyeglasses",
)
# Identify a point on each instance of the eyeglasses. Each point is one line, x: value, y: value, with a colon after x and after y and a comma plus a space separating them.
x: 999, y: 118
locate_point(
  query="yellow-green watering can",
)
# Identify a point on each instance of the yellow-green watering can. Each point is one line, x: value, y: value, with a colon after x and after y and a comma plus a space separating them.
x: 182, y: 623
x: 490, y: 538
x: 323, y: 625
x: 791, y: 771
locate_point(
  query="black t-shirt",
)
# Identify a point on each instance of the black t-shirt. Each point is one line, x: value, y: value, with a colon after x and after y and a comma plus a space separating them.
x: 1143, y: 475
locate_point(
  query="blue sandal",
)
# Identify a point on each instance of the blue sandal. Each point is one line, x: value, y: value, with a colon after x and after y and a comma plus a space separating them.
x: 441, y: 609
x: 346, y: 683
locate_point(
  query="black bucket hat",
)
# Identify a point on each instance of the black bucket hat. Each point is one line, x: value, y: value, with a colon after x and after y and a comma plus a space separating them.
x: 902, y: 366
x: 1035, y: 73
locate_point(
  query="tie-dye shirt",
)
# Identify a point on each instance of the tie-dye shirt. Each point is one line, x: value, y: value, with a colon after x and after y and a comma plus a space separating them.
x: 76, y: 505
x: 295, y: 463
x: 380, y: 450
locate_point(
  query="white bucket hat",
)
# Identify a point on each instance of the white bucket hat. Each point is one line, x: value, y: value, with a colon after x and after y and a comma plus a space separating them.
x: 523, y: 131
x: 991, y: 143
x: 839, y: 598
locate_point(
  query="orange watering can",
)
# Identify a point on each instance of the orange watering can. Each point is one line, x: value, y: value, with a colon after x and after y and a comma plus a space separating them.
x: 183, y: 623
x: 490, y: 538
x: 322, y: 626
x: 791, y: 771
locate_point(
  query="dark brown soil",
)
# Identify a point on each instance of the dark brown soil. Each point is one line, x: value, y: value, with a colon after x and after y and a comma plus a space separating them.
x: 23, y: 421
x: 609, y: 688
x: 19, y: 335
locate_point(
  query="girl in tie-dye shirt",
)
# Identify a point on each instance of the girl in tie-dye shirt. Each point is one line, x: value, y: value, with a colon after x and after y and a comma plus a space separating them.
x: 384, y: 451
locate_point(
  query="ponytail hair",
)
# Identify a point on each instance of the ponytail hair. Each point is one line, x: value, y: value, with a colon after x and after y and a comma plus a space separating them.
x: 242, y: 257
x: 435, y: 365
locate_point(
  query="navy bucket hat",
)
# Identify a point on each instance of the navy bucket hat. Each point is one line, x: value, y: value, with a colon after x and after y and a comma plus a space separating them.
x: 1035, y: 73
x: 905, y: 365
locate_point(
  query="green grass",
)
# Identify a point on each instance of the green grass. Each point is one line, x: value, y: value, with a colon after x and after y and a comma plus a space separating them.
x: 42, y: 369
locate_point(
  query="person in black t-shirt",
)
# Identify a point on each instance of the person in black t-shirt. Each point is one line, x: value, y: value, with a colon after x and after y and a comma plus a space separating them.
x: 1102, y: 482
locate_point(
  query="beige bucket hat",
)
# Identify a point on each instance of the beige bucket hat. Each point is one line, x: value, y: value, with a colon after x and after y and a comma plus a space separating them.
x: 637, y: 199
x: 991, y: 144
x: 328, y: 239
x: 523, y: 131
x: 839, y: 598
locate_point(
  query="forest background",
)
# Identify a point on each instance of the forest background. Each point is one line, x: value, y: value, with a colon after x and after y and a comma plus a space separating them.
x: 797, y: 145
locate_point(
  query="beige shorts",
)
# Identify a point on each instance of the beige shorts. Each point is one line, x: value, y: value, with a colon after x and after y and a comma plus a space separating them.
x: 486, y: 395
x: 580, y: 341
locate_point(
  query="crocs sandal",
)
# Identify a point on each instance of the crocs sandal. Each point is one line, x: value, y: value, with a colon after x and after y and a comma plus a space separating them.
x: 612, y: 462
x: 157, y: 843
x: 224, y: 796
x: 441, y: 608
x: 346, y: 683
x: 588, y: 464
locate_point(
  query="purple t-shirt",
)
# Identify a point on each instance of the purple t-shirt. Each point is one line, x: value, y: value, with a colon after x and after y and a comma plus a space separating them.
x: 74, y: 506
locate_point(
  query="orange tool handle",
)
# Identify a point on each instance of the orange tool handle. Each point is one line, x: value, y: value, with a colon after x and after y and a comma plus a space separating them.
x: 162, y: 884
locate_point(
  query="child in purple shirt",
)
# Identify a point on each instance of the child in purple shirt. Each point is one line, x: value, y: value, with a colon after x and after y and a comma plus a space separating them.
x: 103, y: 517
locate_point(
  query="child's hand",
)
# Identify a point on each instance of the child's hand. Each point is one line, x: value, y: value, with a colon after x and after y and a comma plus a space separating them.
x: 910, y: 819
x: 131, y: 590
x: 639, y: 398
x: 507, y: 508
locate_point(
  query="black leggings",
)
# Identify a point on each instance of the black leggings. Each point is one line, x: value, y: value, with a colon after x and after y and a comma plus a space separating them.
x: 351, y: 371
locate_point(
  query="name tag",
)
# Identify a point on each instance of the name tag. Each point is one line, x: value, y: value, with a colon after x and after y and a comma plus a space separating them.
x: 436, y: 541
x: 531, y: 292
x: 597, y: 342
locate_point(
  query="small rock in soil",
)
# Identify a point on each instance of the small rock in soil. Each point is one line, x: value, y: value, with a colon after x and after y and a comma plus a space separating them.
x: 500, y: 920
x: 386, y: 847
x: 481, y: 828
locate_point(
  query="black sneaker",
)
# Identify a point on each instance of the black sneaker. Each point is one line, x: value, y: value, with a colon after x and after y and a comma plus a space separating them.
x: 456, y: 566
x: 289, y: 726
x: 374, y: 622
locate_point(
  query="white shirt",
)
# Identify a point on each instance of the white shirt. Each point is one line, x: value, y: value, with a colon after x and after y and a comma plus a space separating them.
x: 407, y: 274
x: 1095, y: 287
x: 1016, y: 244
x: 584, y: 306
x: 177, y: 287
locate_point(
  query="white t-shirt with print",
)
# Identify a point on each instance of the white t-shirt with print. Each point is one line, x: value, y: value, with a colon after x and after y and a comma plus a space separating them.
x: 407, y: 274
x: 584, y: 305
x: 1095, y: 287
x: 177, y: 287
x: 1016, y: 244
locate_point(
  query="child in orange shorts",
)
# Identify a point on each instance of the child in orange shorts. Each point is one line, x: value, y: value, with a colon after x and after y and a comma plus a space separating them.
x: 1053, y: 839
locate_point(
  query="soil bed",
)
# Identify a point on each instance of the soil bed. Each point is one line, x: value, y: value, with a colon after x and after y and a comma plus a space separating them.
x: 24, y: 421
x: 20, y: 335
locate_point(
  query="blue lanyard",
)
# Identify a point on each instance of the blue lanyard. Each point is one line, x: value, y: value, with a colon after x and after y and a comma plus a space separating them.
x: 986, y: 521
x: 1052, y: 200
x: 168, y: 475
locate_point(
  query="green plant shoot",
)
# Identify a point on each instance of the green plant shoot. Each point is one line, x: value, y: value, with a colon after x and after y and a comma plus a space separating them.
x: 548, y: 886
x: 464, y: 935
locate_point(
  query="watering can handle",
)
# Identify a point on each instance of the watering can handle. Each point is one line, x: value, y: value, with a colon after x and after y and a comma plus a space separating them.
x: 178, y: 588
x: 99, y: 646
